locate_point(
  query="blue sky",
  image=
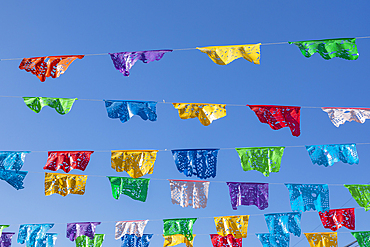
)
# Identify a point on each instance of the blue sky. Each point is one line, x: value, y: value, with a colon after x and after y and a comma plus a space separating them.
x: 284, y: 77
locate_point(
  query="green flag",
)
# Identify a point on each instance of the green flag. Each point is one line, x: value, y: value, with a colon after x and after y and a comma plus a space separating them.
x: 84, y: 241
x: 136, y: 188
x: 182, y: 226
x: 61, y: 105
x: 361, y: 193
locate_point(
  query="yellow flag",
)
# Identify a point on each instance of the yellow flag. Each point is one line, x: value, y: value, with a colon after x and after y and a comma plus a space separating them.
x: 206, y: 113
x: 235, y: 225
x: 322, y: 239
x: 64, y: 184
x: 176, y: 239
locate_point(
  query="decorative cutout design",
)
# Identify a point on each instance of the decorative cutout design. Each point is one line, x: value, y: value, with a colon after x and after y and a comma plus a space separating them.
x: 6, y: 239
x: 282, y: 223
x: 84, y: 241
x: 198, y: 162
x: 50, y: 66
x: 124, y: 110
x: 10, y: 165
x: 177, y: 239
x: 34, y: 234
x: 329, y: 48
x: 363, y: 238
x: 361, y: 193
x: 227, y: 241
x: 249, y: 194
x: 61, y: 105
x: 64, y: 184
x: 236, y: 225
x: 339, y: 115
x: 135, y: 241
x: 67, y: 160
x: 274, y: 240
x: 135, y: 227
x: 136, y: 188
x: 325, y: 239
x: 74, y: 230
x: 182, y: 226
x: 327, y: 155
x: 262, y: 159
x: 189, y: 193
x: 304, y: 197
x: 136, y: 163
x: 206, y: 113
x: 336, y: 218
x: 223, y: 55
x: 279, y: 116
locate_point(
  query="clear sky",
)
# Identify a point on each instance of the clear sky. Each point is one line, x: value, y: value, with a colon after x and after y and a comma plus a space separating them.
x: 284, y: 77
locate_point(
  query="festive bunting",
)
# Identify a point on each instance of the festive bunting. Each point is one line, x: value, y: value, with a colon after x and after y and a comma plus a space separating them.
x: 329, y: 48
x: 84, y: 241
x: 74, y: 230
x: 34, y: 234
x: 236, y: 225
x: 326, y: 155
x: 189, y: 193
x: 182, y: 226
x: 135, y: 241
x: 282, y: 223
x: 64, y: 184
x: 67, y: 160
x: 136, y: 163
x: 304, y: 197
x: 2, y: 227
x: 223, y: 55
x: 136, y: 188
x: 123, y: 61
x: 336, y: 218
x: 361, y: 193
x: 61, y: 105
x: 249, y: 194
x: 225, y: 241
x: 124, y: 110
x: 363, y: 238
x: 50, y: 66
x: 339, y: 115
x: 10, y: 165
x: 6, y: 239
x: 206, y: 113
x: 262, y: 159
x: 13, y: 178
x: 322, y: 239
x: 197, y: 162
x: 177, y: 239
x: 135, y: 227
x: 274, y: 240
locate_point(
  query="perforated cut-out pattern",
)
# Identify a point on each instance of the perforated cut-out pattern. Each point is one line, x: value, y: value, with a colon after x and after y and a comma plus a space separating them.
x: 10, y: 165
x: 363, y: 238
x: 223, y: 55
x: 124, y: 110
x: 304, y: 197
x: 197, y: 162
x: 13, y: 178
x: 136, y: 188
x: 135, y: 227
x: 336, y: 218
x: 361, y: 193
x: 274, y: 240
x: 249, y: 194
x: 282, y: 223
x: 135, y: 241
x: 329, y: 48
x: 182, y: 226
x: 6, y: 239
x: 51, y: 66
x: 33, y: 234
x: 262, y: 159
x: 339, y: 115
x: 136, y: 163
x: 227, y: 241
x: 236, y: 225
x: 84, y: 241
x: 67, y: 160
x: 74, y: 230
x: 177, y: 239
x: 61, y: 105
x: 327, y: 155
x: 279, y: 117
x: 206, y: 113
x: 64, y: 184
x: 189, y: 193
x: 324, y: 239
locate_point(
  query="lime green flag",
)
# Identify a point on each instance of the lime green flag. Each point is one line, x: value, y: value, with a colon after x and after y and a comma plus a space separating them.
x: 182, y: 226
x: 136, y: 188
x: 363, y: 238
x: 61, y: 105
x: 361, y: 193
x: 84, y: 241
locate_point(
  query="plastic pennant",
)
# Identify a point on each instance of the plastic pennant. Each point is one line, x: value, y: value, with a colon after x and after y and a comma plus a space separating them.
x: 176, y: 239
x: 84, y: 241
x: 361, y: 193
x: 198, y: 162
x: 262, y: 159
x: 135, y: 227
x: 327, y: 155
x: 362, y: 237
x: 282, y: 223
x: 67, y: 160
x: 10, y: 164
x: 124, y: 110
x: 249, y: 194
x: 182, y: 226
x: 225, y: 241
x: 64, y: 184
x: 223, y: 55
x: 336, y: 218
x: 274, y: 240
x: 136, y: 188
x: 61, y: 105
x: 135, y: 241
x: 236, y: 225
x: 50, y: 66
x: 189, y: 193
x: 6, y: 239
x: 322, y: 239
x: 136, y: 163
x: 74, y: 230
x: 304, y: 197
x: 33, y: 234
x: 206, y: 113
x: 328, y: 48
x: 339, y: 115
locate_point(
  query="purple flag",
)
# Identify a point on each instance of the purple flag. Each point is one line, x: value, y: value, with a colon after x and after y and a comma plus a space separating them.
x: 6, y: 239
x: 249, y: 194
x: 75, y: 230
x: 123, y: 61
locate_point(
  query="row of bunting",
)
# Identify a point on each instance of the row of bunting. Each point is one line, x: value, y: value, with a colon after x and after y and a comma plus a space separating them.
x: 54, y: 66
